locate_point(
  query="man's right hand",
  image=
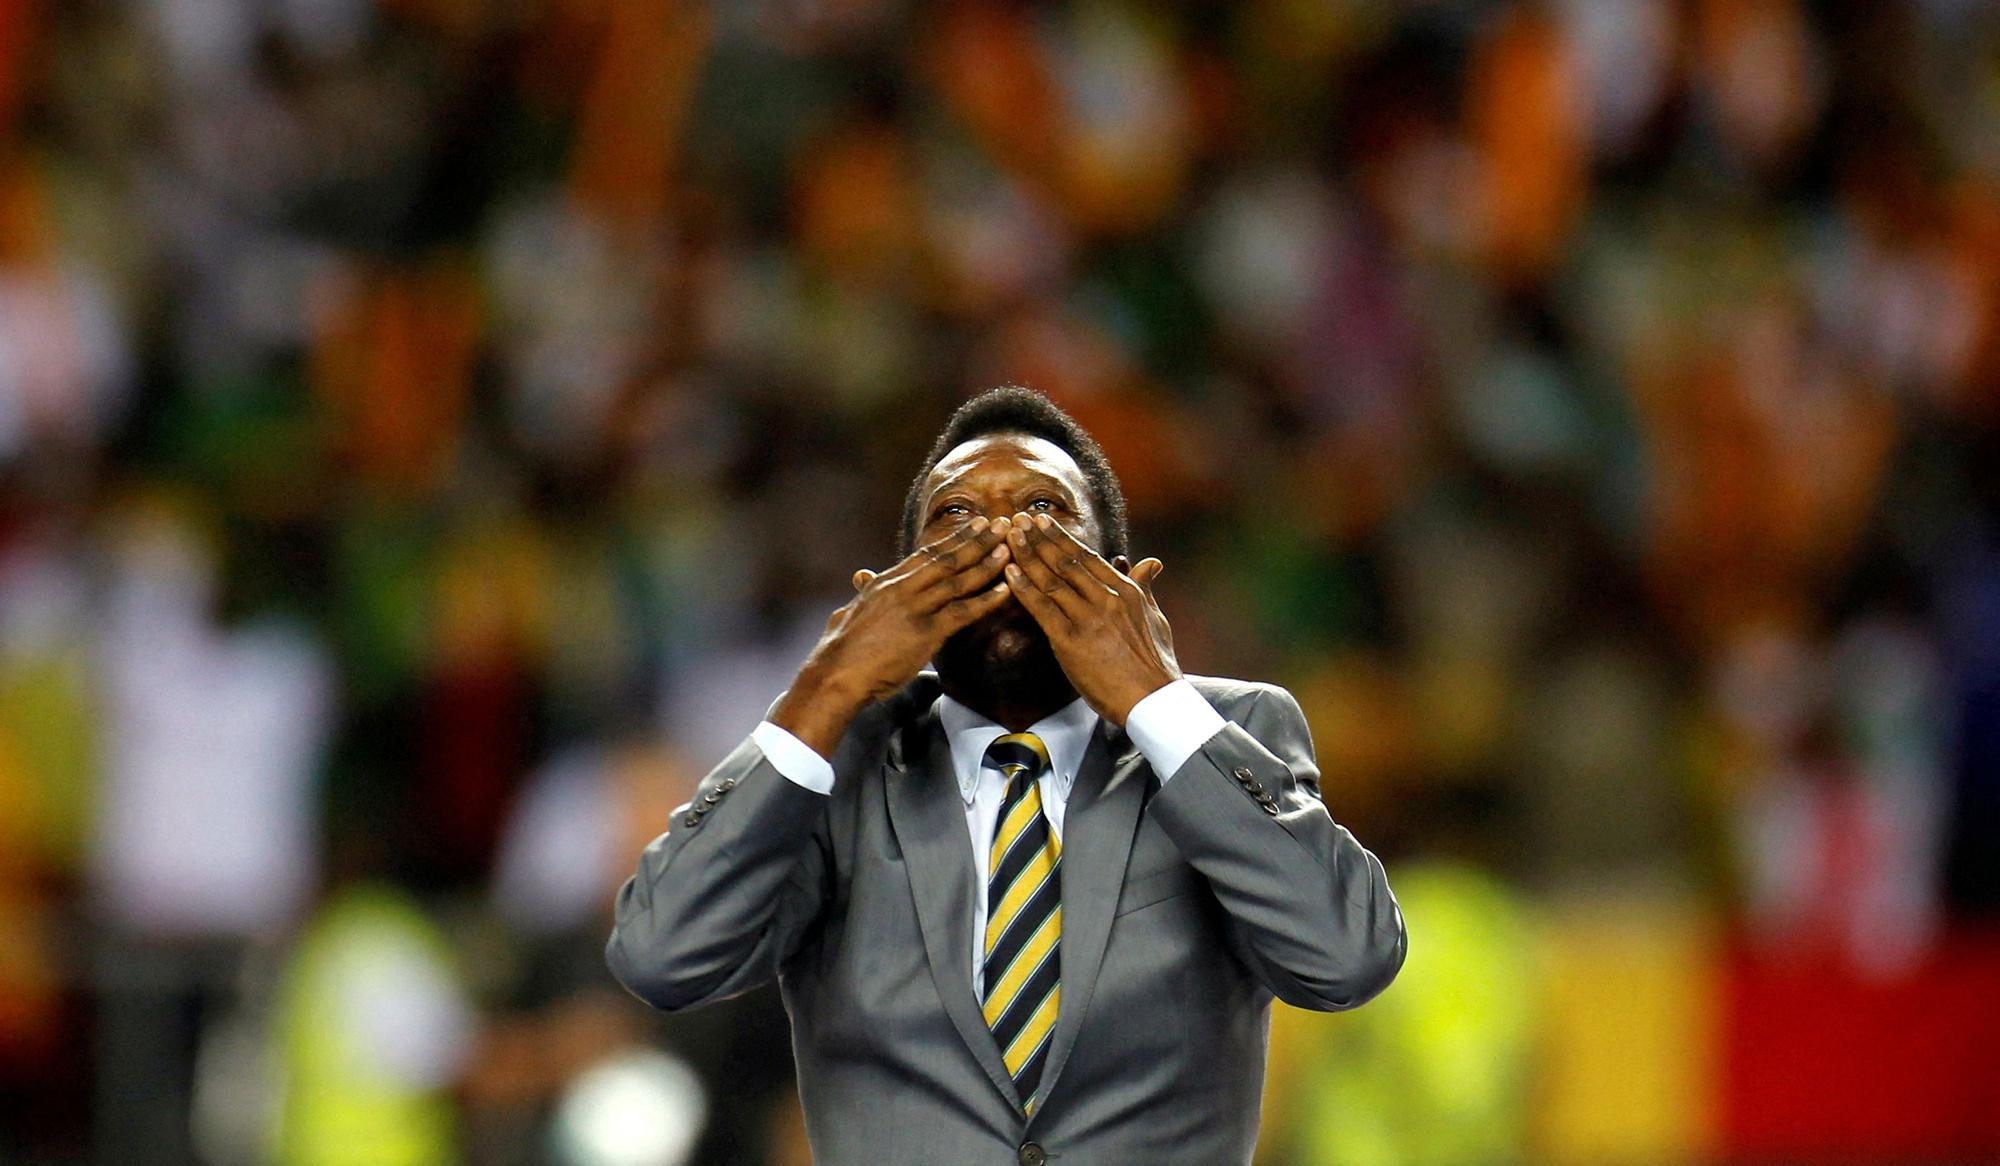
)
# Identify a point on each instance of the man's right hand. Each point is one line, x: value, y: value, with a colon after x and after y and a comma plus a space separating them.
x: 894, y: 625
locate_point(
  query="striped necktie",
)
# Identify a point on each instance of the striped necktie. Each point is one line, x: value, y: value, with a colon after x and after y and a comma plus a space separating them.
x: 1023, y: 916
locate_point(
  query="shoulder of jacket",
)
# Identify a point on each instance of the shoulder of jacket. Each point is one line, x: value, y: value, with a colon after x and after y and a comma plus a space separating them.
x: 894, y: 724
x: 1229, y: 694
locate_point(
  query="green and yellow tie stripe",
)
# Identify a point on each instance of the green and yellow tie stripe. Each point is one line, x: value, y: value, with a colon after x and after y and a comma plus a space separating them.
x: 1023, y: 916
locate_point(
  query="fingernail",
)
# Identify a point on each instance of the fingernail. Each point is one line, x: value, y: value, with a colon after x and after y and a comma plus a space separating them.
x: 1001, y: 523
x: 979, y: 524
x: 1020, y: 538
x: 1044, y: 521
x: 998, y: 552
x: 1013, y: 570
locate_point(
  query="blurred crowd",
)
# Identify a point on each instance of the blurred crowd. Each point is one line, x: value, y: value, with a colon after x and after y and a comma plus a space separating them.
x: 432, y: 431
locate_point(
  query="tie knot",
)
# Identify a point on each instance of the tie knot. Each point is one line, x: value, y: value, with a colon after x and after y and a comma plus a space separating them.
x: 1019, y: 753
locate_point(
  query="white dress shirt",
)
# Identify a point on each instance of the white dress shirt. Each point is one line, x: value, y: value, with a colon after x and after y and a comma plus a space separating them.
x: 1169, y: 726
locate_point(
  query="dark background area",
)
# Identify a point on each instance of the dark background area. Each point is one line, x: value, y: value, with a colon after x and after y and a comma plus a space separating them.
x: 432, y: 431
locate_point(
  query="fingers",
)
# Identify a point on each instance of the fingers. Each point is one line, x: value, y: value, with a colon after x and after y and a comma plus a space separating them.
x: 1043, y: 569
x: 1070, y: 558
x: 968, y: 609
x: 1046, y: 610
x: 1079, y: 556
x: 980, y: 574
x: 952, y: 552
x: 979, y: 540
x: 863, y: 578
x: 963, y: 569
x: 946, y: 556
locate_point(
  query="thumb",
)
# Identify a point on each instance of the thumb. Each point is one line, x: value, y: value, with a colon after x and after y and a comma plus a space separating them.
x: 863, y: 578
x: 1146, y: 571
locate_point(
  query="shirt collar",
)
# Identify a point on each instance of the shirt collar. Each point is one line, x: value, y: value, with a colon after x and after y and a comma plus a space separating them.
x: 1066, y: 732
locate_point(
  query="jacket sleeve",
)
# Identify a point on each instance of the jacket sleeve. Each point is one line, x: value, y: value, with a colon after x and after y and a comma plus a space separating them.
x: 732, y: 890
x: 1310, y: 910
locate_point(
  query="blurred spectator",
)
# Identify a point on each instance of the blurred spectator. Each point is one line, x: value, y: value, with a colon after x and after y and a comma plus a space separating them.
x: 1441, y: 1076
x: 372, y: 1032
x: 205, y: 840
x: 440, y: 425
x: 558, y: 1021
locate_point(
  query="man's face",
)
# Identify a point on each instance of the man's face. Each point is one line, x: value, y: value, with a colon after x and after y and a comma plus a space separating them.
x: 998, y: 476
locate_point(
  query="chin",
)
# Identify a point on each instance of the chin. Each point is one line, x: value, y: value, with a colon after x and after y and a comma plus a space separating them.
x: 1008, y: 632
x: 1011, y: 633
x: 1005, y: 646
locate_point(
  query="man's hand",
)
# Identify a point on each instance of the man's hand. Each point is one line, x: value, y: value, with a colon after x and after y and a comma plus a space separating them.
x: 894, y: 625
x: 1108, y: 633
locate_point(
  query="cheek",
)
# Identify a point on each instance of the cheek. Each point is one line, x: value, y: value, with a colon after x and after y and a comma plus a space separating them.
x: 1087, y: 532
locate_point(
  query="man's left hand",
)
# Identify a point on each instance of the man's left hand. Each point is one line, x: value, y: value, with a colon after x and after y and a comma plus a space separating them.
x: 1107, y: 631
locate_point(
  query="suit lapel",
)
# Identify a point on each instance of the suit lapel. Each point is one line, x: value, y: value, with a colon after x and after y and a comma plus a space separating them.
x: 929, y: 819
x: 1099, y: 824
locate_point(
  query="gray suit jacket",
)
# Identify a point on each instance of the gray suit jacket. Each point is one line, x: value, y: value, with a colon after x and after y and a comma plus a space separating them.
x: 1186, y: 908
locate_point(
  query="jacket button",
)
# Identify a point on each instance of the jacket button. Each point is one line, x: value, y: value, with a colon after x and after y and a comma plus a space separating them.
x: 712, y: 797
x: 1031, y: 1155
x: 1244, y: 775
x: 1255, y: 787
x: 691, y: 818
x: 728, y: 783
x: 1270, y: 808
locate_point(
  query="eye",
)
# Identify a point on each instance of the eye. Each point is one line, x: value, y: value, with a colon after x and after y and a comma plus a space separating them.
x: 1044, y: 504
x: 951, y: 510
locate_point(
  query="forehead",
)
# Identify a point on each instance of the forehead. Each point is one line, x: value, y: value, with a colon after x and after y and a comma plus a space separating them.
x: 1006, y: 455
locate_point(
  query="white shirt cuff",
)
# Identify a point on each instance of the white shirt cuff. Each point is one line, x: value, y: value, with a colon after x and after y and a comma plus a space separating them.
x: 1171, y: 725
x: 793, y: 758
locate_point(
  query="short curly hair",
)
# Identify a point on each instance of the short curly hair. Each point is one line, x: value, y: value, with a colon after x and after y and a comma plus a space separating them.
x: 1014, y: 409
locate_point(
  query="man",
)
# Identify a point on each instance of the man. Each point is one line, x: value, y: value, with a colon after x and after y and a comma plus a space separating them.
x: 1032, y: 906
